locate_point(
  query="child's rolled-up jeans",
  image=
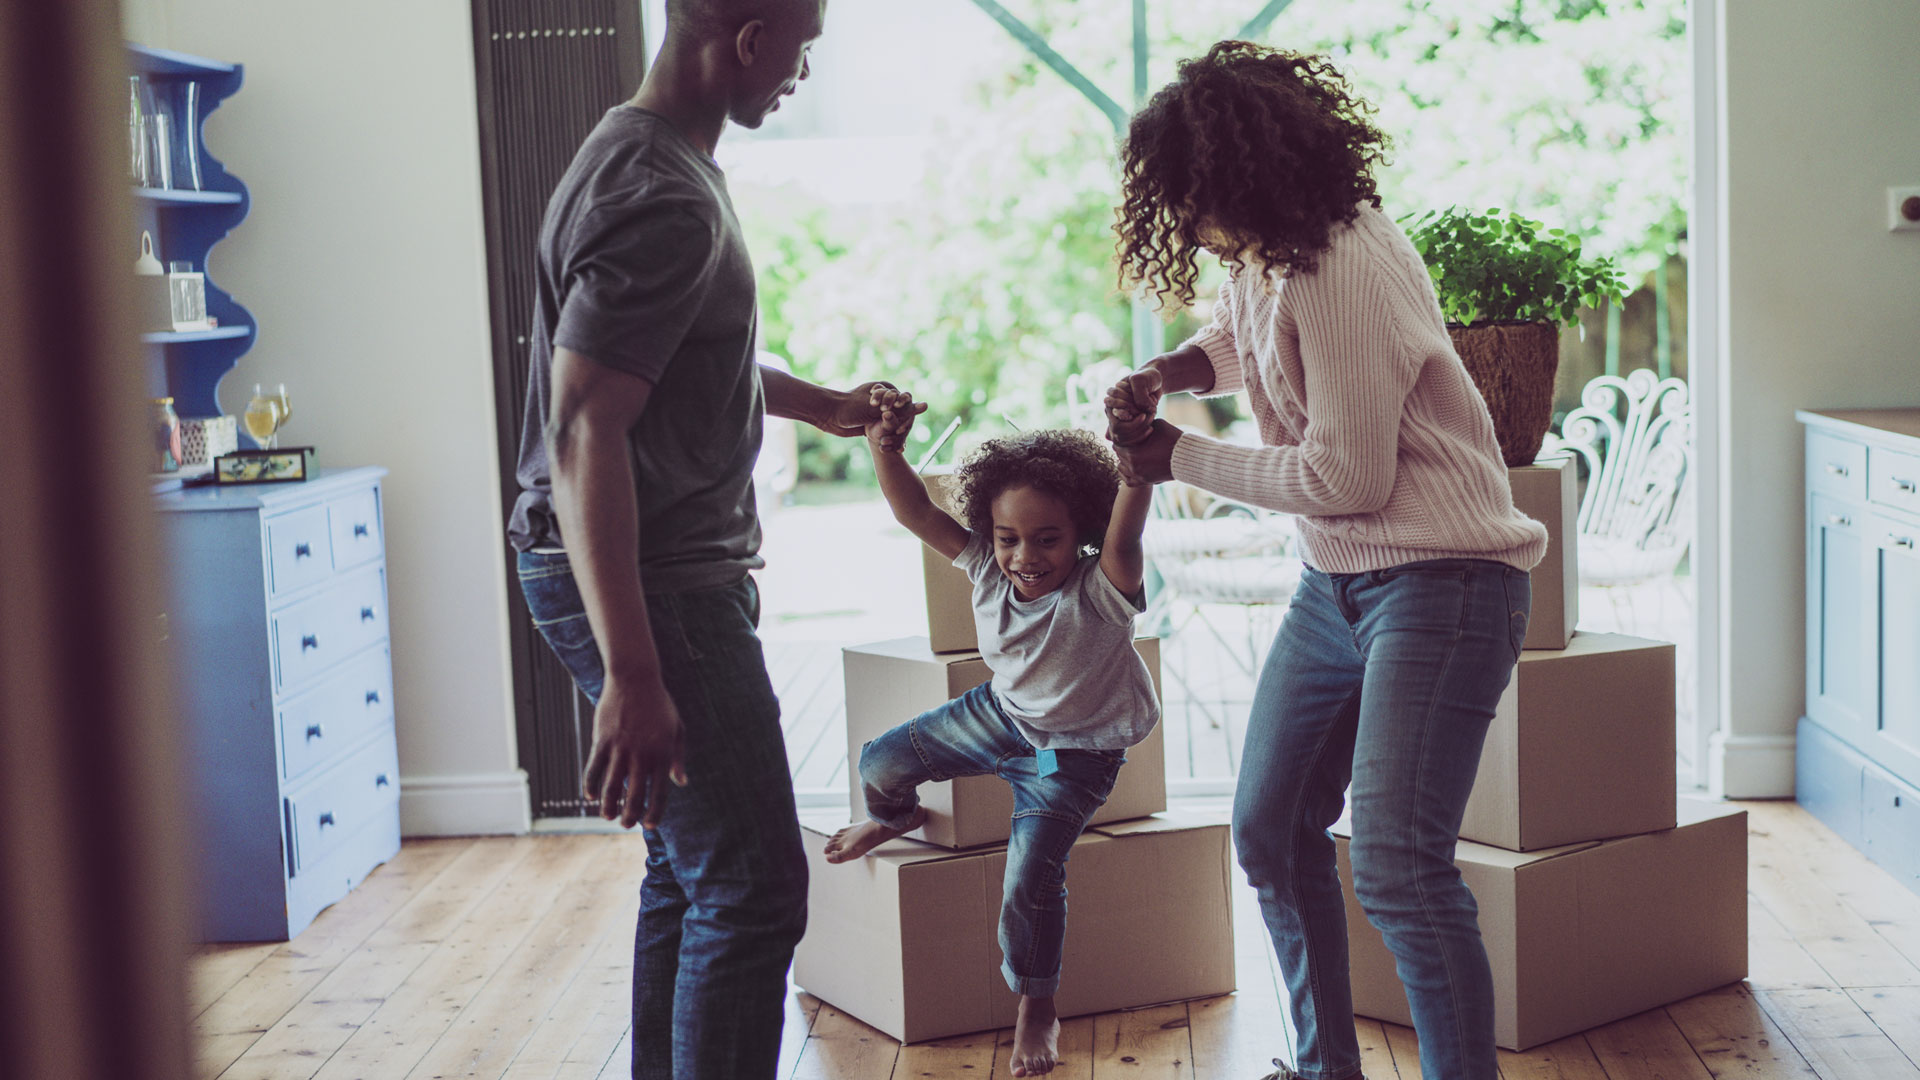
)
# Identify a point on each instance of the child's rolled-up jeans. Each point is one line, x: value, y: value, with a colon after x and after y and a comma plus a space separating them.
x: 972, y: 736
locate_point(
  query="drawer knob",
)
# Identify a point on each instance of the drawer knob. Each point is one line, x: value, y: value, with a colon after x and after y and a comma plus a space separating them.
x: 1840, y: 520
x: 302, y: 551
x: 359, y: 530
x: 1837, y: 470
x: 309, y: 642
x: 315, y: 731
x: 373, y: 697
x: 1906, y: 487
x: 1900, y: 541
x: 381, y: 781
x: 326, y: 819
x: 366, y: 614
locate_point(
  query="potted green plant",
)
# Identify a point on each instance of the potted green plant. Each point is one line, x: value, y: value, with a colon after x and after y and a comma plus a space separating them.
x: 1506, y: 285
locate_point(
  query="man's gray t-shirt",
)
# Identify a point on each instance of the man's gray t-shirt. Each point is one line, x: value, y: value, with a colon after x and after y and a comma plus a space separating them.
x: 1064, y: 666
x: 642, y: 268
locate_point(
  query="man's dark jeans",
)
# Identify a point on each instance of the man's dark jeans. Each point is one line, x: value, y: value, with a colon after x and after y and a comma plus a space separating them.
x: 725, y: 896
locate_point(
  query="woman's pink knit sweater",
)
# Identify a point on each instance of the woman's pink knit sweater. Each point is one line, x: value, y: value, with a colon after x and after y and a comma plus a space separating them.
x: 1374, y: 433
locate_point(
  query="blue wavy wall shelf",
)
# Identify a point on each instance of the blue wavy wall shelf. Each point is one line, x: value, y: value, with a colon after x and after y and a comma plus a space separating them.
x: 186, y: 224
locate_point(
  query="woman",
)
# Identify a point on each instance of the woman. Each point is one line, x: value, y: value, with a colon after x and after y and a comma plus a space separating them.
x: 1413, y: 605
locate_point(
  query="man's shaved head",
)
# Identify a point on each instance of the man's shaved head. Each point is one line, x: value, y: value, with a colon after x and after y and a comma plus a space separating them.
x: 691, y: 21
x: 758, y: 48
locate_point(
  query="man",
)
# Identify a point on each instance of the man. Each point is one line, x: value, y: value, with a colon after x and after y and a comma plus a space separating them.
x: 636, y: 528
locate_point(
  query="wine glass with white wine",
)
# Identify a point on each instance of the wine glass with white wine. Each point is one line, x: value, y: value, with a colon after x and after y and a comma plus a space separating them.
x: 262, y: 417
x: 279, y: 396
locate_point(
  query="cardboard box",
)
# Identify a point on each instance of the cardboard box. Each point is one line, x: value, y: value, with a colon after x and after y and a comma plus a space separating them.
x: 905, y: 939
x: 950, y: 626
x: 1581, y: 747
x: 1548, y: 492
x: 891, y: 682
x: 1583, y: 935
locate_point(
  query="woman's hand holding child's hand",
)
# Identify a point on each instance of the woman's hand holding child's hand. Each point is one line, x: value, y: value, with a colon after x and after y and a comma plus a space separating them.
x: 1143, y: 447
x: 897, y: 410
x: 1131, y: 405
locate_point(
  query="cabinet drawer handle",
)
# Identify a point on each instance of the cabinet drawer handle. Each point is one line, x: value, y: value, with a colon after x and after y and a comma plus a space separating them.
x: 1839, y: 520
x: 1906, y: 487
x: 373, y: 697
x: 1900, y: 541
x: 326, y: 819
x: 315, y: 731
x: 1837, y: 470
x: 359, y: 530
x: 381, y: 781
x: 302, y: 551
x: 309, y: 642
x: 366, y: 614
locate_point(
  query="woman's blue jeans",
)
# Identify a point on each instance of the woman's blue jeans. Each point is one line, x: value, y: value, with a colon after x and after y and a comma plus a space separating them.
x: 971, y: 736
x: 724, y: 900
x: 1388, y: 680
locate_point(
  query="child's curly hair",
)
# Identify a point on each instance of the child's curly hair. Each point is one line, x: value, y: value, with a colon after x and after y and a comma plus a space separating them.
x: 1071, y: 465
x: 1266, y: 147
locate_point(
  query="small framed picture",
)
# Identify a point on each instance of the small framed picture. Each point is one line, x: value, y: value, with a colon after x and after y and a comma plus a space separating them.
x: 286, y: 465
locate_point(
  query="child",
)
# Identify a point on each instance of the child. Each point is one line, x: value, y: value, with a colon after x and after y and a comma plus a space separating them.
x: 1068, y: 696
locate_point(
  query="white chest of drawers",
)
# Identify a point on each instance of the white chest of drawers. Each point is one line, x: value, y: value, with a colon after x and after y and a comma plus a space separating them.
x: 278, y: 624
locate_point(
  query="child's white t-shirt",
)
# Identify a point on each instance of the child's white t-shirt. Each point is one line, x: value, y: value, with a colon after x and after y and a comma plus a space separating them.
x: 1064, y: 666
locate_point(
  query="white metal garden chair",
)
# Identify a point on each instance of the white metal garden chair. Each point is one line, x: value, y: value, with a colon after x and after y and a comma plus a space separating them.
x: 1634, y: 435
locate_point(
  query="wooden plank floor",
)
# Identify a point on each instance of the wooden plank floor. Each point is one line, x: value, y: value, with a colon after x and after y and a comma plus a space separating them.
x: 510, y: 957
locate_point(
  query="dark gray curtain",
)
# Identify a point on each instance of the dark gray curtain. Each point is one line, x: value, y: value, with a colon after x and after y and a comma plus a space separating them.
x: 92, y: 927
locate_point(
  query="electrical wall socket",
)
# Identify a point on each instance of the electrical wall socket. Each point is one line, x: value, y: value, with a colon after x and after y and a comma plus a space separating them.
x: 1903, y: 209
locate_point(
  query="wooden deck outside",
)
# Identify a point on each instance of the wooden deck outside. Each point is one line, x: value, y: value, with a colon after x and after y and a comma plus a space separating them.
x: 1207, y: 674
x: 811, y: 610
x: 511, y: 957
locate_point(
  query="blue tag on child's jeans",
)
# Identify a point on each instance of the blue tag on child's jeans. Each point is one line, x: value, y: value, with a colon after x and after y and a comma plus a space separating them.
x: 1049, y: 762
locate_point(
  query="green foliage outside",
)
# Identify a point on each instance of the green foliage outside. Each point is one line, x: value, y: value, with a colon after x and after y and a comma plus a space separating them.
x: 1498, y: 267
x: 983, y: 292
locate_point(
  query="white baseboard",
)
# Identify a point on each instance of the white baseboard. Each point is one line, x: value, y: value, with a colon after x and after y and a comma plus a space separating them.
x: 482, y: 804
x: 1750, y: 766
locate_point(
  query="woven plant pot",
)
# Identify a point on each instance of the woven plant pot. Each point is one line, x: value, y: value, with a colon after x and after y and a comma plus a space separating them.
x: 1513, y: 364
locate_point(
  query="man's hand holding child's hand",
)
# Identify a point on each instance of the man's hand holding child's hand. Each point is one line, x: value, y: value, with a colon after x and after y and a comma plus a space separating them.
x: 897, y: 410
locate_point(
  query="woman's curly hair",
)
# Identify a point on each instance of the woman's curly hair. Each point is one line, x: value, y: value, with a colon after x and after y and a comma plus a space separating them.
x: 1071, y: 465
x: 1267, y: 148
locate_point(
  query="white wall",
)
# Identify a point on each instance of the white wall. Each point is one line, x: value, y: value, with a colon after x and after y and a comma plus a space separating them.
x: 1820, y: 309
x: 364, y: 262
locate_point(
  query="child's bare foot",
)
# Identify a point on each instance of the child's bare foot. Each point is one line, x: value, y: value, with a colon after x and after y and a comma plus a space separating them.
x: 856, y: 840
x: 1036, y: 1037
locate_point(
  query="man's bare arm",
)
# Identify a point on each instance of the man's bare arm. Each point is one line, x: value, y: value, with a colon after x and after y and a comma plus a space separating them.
x: 836, y: 412
x: 637, y: 729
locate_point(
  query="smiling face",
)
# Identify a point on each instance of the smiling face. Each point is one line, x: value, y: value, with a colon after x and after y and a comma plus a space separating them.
x: 1034, y: 540
x: 780, y: 60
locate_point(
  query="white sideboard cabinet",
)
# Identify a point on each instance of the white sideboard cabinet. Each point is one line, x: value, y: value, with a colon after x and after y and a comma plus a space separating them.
x: 1858, y: 753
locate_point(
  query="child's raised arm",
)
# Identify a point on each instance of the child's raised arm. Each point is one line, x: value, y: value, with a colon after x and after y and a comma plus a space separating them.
x: 1122, y: 558
x: 905, y: 491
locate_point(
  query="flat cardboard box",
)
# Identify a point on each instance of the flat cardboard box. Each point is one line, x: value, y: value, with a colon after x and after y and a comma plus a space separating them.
x: 1548, y: 492
x: 905, y: 939
x: 890, y: 682
x: 1583, y: 935
x: 950, y: 626
x: 1581, y: 747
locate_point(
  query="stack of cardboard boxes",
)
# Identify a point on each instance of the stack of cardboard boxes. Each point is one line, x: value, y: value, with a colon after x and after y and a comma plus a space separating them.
x: 905, y: 939
x: 1601, y: 893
